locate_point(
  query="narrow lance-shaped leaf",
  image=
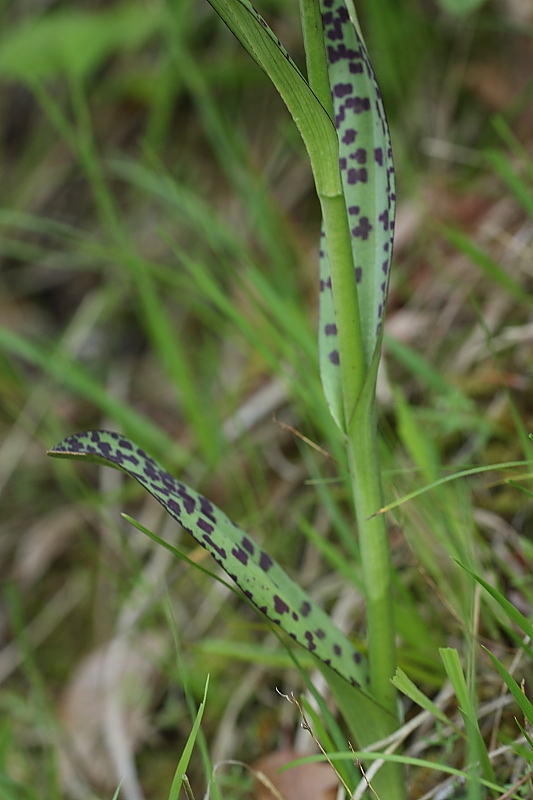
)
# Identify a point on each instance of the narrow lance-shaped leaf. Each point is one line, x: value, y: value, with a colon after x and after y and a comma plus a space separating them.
x: 367, y: 173
x: 259, y: 577
x: 312, y: 120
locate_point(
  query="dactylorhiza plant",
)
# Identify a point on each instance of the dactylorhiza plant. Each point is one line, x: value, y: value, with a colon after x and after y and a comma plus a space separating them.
x: 339, y: 112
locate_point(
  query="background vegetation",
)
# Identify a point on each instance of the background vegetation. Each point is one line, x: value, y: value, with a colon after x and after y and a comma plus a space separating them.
x: 158, y: 237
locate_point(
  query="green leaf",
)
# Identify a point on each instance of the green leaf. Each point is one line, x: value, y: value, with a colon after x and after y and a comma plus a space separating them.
x: 452, y: 665
x: 312, y: 120
x: 496, y: 274
x: 367, y: 173
x: 187, y: 750
x: 524, y: 704
x: 75, y: 42
x: 511, y: 611
x: 460, y: 7
x: 260, y: 578
x: 406, y: 685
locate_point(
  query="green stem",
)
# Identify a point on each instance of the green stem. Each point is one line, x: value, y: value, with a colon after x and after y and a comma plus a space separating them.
x: 367, y: 493
x: 358, y: 382
x: 365, y: 475
x: 315, y: 53
x: 358, y: 387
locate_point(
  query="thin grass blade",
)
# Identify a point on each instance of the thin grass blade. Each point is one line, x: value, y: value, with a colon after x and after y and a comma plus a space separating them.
x: 408, y: 688
x: 511, y: 611
x: 183, y: 763
x: 452, y: 665
x: 524, y: 704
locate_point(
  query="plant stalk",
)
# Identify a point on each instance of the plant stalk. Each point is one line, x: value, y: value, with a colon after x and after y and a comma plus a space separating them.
x: 358, y: 387
x: 365, y: 476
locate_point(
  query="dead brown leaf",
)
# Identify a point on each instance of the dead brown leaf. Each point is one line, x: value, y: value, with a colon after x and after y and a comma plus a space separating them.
x: 301, y: 782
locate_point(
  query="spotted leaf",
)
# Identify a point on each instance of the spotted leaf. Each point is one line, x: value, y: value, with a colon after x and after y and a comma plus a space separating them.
x: 367, y: 173
x: 258, y: 576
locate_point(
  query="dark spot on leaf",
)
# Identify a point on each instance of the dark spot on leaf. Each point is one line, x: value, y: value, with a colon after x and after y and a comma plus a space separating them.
x: 280, y: 606
x: 207, y: 509
x: 349, y: 136
x: 362, y: 230
x: 150, y: 472
x: 360, y: 104
x: 173, y: 506
x: 248, y: 545
x: 342, y: 89
x: 189, y: 502
x: 240, y: 555
x: 265, y: 562
x: 305, y: 608
x: 217, y: 551
x: 354, y: 175
x: 205, y: 526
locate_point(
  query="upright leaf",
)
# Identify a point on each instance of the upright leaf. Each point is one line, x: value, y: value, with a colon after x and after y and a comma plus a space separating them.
x: 311, y: 118
x: 367, y: 173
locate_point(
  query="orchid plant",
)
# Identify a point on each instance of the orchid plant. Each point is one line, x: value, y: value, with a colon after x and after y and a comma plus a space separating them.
x: 339, y: 112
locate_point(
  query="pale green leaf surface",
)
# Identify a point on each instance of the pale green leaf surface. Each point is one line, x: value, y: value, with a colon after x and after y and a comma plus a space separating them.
x: 367, y: 173
x: 261, y: 580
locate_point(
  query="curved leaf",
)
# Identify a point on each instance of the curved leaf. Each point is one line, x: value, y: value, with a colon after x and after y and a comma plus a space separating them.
x: 260, y: 578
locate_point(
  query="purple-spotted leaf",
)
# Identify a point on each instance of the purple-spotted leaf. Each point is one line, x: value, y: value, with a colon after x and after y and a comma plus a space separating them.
x: 367, y: 173
x: 260, y: 578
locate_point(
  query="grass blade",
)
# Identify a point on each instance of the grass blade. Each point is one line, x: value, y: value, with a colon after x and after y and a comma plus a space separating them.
x: 525, y: 705
x: 183, y: 763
